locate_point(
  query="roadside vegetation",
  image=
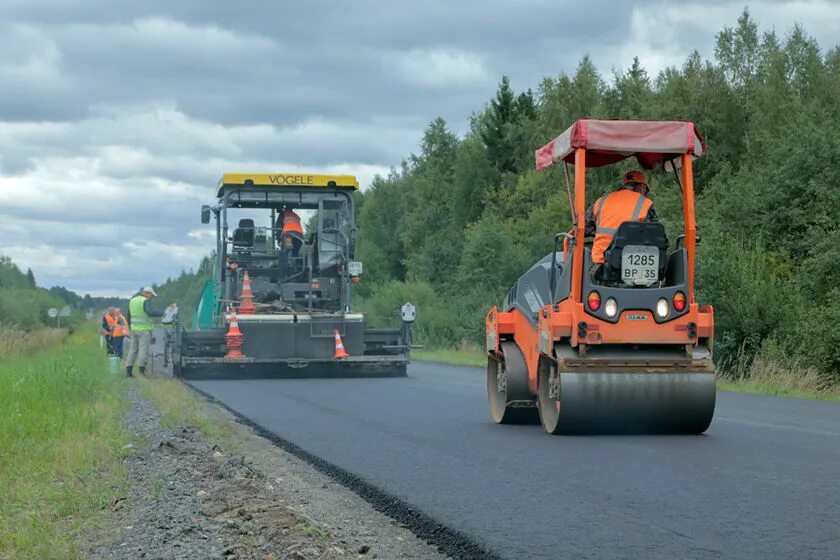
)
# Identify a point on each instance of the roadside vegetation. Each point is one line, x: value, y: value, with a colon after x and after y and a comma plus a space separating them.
x: 15, y: 342
x: 455, y: 225
x: 466, y: 355
x: 24, y: 324
x: 61, y: 442
x: 178, y: 404
x: 760, y: 377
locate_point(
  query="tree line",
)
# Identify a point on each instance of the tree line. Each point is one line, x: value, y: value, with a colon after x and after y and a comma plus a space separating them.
x: 23, y: 305
x: 185, y: 290
x: 456, y: 223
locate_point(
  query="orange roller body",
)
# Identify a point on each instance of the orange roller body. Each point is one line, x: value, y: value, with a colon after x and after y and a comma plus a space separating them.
x: 616, y: 347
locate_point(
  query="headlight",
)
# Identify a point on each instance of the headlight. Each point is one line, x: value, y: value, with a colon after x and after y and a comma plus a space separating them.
x: 611, y: 308
x: 662, y: 308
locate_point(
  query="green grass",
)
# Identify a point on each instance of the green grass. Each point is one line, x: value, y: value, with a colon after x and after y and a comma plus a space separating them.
x: 775, y: 390
x: 312, y: 530
x: 61, y: 447
x: 15, y: 342
x: 763, y: 380
x: 178, y: 404
x: 465, y: 356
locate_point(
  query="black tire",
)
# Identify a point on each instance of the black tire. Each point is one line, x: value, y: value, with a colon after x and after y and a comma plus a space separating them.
x: 507, y: 388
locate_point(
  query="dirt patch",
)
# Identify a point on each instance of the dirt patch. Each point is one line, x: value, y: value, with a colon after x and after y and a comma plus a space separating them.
x: 243, y: 499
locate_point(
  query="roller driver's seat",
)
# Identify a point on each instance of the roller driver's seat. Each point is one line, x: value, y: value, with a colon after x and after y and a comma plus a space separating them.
x: 650, y: 234
x: 243, y: 236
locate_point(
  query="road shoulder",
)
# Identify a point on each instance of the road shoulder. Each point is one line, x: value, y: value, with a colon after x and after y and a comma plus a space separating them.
x: 223, y: 491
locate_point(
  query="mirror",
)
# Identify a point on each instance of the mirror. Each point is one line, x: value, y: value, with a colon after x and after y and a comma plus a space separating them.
x: 205, y: 214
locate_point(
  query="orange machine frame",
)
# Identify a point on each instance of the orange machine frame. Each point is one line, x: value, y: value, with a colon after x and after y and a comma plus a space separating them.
x: 558, y: 321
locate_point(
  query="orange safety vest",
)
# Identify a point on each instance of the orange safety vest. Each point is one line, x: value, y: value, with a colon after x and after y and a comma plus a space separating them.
x: 291, y: 223
x: 122, y: 326
x: 610, y: 212
x: 111, y: 320
x: 116, y: 324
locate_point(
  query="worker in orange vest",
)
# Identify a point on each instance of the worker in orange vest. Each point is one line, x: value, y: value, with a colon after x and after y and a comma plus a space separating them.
x: 628, y: 203
x: 120, y: 331
x: 117, y: 329
x: 291, y: 240
x: 108, y: 322
x: 292, y: 233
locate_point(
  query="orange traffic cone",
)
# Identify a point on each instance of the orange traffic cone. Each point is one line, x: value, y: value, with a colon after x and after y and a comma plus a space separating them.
x: 246, y: 299
x: 234, y: 338
x: 340, y: 352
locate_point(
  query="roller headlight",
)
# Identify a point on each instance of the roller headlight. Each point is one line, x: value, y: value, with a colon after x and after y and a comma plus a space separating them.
x: 611, y: 308
x: 662, y: 308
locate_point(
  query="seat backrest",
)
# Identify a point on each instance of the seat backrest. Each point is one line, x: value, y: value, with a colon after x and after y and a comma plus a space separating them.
x: 651, y: 234
x: 243, y: 236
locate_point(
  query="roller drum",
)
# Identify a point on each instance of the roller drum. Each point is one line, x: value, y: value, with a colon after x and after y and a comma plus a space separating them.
x: 631, y: 402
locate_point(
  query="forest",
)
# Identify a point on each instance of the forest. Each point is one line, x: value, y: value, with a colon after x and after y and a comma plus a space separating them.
x: 457, y: 222
x: 23, y: 305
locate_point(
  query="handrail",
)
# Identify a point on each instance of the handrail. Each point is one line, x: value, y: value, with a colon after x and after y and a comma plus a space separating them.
x: 557, y: 238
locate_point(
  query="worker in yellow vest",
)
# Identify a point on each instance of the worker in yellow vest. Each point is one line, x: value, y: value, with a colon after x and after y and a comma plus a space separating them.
x: 141, y: 323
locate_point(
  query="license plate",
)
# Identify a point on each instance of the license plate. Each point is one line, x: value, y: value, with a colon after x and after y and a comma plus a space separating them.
x: 639, y: 265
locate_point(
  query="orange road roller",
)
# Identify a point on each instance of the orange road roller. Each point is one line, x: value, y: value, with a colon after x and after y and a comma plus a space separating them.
x: 609, y: 339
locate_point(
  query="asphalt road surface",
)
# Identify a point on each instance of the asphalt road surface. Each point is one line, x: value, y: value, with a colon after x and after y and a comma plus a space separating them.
x: 763, y: 482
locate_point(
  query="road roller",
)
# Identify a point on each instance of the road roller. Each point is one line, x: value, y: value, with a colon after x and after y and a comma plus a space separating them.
x: 623, y: 347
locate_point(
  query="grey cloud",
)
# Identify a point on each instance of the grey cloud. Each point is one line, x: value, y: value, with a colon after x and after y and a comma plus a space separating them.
x: 116, y: 118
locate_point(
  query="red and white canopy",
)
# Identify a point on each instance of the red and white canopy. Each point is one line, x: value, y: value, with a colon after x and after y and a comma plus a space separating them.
x: 652, y: 142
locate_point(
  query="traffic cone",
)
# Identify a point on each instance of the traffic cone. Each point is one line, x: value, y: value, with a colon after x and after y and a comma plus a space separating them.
x: 246, y: 298
x: 340, y: 352
x: 234, y: 338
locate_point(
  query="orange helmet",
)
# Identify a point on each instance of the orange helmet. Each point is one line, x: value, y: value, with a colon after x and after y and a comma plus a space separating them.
x: 636, y: 177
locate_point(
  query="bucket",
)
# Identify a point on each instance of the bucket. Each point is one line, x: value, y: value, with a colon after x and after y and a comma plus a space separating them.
x: 114, y: 364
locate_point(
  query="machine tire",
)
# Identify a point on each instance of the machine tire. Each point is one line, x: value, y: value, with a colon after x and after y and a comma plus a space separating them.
x: 506, y: 404
x: 549, y: 407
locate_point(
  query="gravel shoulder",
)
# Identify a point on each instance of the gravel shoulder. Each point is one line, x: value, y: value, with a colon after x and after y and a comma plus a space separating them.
x: 236, y: 496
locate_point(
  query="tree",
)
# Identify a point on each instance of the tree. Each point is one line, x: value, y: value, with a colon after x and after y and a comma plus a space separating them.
x: 501, y: 127
x: 430, y: 240
x: 462, y: 219
x: 631, y: 96
x: 737, y: 51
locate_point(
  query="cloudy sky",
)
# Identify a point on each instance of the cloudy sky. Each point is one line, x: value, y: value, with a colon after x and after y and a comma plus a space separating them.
x: 117, y: 118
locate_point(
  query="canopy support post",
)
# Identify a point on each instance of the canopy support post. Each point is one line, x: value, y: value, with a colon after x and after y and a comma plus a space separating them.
x: 689, y: 219
x: 580, y: 202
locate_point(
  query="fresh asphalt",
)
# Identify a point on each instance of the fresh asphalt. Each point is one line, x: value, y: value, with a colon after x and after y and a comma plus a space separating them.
x: 763, y: 482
